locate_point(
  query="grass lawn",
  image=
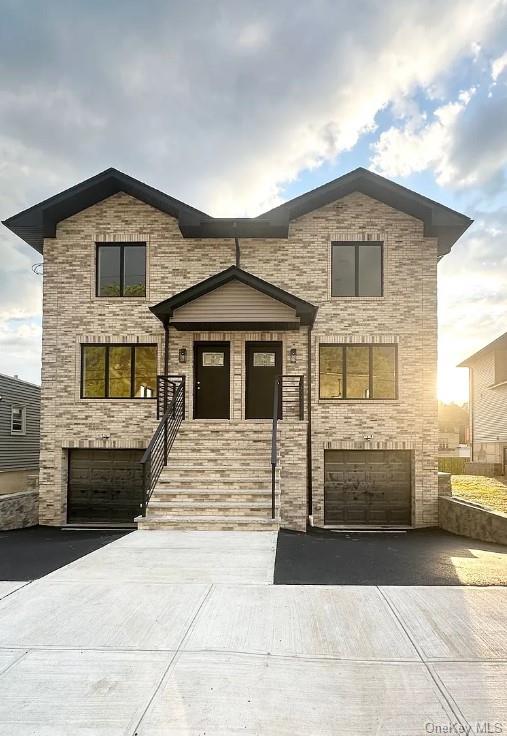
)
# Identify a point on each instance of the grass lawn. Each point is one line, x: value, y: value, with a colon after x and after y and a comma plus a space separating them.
x: 489, y: 492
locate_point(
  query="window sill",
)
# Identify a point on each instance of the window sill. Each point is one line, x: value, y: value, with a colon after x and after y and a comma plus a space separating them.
x: 357, y: 298
x: 363, y: 402
x: 119, y: 398
x: 120, y: 298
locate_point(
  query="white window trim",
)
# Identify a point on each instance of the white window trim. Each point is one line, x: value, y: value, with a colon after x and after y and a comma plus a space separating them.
x: 21, y: 431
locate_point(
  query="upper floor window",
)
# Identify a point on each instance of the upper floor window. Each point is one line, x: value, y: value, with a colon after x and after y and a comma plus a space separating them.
x: 18, y: 420
x: 357, y: 269
x: 121, y: 269
x: 358, y: 372
x: 118, y: 371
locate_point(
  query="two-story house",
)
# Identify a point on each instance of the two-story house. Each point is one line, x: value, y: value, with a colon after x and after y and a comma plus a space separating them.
x: 203, y: 372
x: 488, y: 404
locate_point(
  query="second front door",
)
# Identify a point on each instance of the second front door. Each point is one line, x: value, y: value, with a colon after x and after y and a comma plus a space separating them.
x: 263, y: 366
x: 211, y: 380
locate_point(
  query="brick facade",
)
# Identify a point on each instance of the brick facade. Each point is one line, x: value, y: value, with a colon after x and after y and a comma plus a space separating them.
x: 405, y: 315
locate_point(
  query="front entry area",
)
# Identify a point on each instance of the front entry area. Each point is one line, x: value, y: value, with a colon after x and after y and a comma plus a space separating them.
x: 263, y: 362
x: 367, y: 487
x: 211, y: 380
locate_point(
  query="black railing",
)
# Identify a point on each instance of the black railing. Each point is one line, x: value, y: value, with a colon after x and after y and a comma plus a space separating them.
x: 166, y: 387
x: 288, y: 402
x: 155, y: 457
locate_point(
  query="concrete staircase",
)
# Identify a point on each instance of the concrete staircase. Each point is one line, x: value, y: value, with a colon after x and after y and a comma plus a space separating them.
x: 218, y: 477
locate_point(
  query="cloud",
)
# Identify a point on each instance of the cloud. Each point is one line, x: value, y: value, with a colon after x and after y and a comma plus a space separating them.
x: 220, y: 104
x: 420, y: 144
x: 223, y: 103
x: 472, y: 289
x: 497, y: 66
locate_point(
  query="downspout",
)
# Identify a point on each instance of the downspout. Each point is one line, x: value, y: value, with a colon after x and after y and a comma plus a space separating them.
x: 238, y: 253
x: 470, y: 412
x: 309, y: 500
x: 166, y: 360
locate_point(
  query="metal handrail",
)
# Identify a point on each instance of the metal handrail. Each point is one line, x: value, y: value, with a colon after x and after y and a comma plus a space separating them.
x: 156, y: 455
x: 282, y: 382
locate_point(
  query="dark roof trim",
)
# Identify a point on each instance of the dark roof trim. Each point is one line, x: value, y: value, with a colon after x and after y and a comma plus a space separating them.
x: 440, y: 221
x: 234, y: 227
x: 304, y: 310
x: 499, y: 342
x: 234, y: 326
x: 39, y: 222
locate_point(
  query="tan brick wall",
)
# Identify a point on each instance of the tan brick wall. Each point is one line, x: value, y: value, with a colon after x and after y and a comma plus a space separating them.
x: 405, y: 315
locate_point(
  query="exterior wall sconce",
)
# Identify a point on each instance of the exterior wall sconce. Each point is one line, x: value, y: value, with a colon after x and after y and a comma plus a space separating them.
x: 182, y: 355
x: 292, y: 355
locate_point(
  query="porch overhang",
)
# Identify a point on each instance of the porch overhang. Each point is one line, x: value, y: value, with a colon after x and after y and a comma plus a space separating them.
x: 234, y: 300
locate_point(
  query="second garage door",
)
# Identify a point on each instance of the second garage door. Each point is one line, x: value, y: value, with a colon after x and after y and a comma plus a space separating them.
x: 104, y: 485
x: 371, y: 487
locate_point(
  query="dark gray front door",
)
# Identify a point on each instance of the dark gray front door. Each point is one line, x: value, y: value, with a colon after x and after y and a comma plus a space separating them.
x: 371, y: 487
x: 104, y: 485
x: 263, y: 366
x: 211, y: 380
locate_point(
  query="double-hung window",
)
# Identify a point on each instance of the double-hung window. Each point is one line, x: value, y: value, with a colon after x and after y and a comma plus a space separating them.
x: 118, y: 371
x: 357, y: 268
x: 121, y: 269
x: 18, y: 420
x: 358, y: 371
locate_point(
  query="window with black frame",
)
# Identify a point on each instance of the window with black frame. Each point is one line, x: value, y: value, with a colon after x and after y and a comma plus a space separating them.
x: 121, y: 269
x: 118, y: 371
x: 357, y: 371
x: 357, y: 268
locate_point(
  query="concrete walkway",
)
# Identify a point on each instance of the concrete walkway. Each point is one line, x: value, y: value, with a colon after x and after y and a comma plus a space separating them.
x: 182, y: 633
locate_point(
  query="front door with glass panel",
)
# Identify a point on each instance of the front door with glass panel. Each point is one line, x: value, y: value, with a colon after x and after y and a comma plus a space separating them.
x: 211, y: 380
x: 263, y: 366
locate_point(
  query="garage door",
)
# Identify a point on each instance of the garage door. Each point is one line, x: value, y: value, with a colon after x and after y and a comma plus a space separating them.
x: 104, y: 485
x: 367, y: 487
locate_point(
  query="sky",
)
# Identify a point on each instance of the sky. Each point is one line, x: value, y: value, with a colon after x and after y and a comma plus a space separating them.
x: 236, y: 106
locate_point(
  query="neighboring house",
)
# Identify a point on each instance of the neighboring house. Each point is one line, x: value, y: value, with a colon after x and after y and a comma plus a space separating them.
x: 19, y: 433
x: 334, y: 291
x: 488, y: 402
x: 447, y: 442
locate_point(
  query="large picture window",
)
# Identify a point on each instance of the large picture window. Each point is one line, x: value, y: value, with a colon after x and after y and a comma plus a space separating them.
x: 357, y: 269
x: 118, y: 371
x: 358, y: 372
x: 121, y: 269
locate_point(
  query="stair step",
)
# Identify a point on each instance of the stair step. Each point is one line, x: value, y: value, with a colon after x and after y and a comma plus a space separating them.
x: 218, y: 483
x: 215, y: 493
x: 208, y: 522
x: 253, y: 469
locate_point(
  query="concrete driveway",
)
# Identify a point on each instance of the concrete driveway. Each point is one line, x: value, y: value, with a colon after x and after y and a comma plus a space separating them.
x: 183, y: 633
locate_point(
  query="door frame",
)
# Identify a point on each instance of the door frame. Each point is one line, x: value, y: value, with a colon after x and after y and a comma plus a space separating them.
x: 211, y: 343
x: 277, y: 344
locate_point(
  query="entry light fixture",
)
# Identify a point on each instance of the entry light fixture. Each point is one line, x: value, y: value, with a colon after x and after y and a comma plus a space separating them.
x: 292, y: 355
x: 182, y: 355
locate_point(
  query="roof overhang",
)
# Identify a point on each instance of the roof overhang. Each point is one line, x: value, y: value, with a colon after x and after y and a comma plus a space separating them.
x: 40, y: 221
x: 498, y: 343
x: 305, y: 311
x: 439, y: 221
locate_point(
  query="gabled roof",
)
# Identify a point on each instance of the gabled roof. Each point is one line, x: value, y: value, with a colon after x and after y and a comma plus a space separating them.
x: 304, y: 310
x: 439, y: 221
x: 39, y: 222
x: 499, y: 342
